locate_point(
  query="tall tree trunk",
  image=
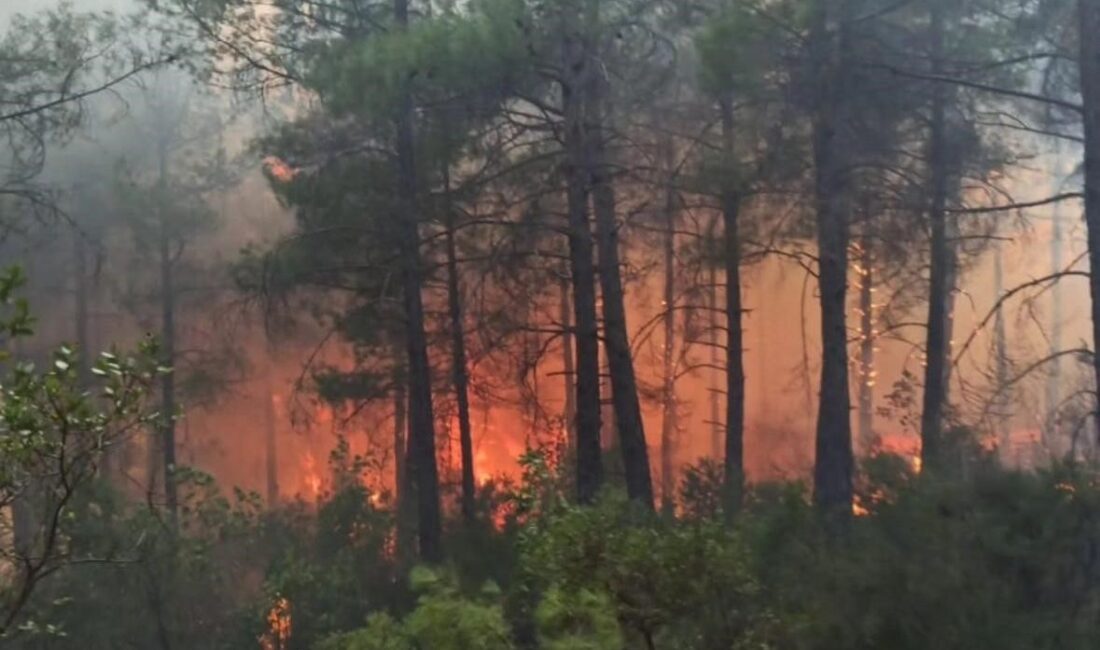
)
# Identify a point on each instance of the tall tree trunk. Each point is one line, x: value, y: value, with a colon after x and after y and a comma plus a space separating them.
x: 935, y: 369
x: 168, y: 345
x: 23, y: 516
x: 569, y: 414
x: 81, y: 325
x: 582, y: 268
x: 1000, y: 347
x: 735, y: 355
x: 714, y: 392
x: 400, y: 425
x: 271, y: 442
x: 833, y: 463
x: 80, y: 289
x: 668, y: 358
x: 1053, y: 383
x: 460, y: 372
x: 620, y: 361
x: 405, y: 507
x: 1088, y: 25
x: 422, y: 460
x: 866, y: 342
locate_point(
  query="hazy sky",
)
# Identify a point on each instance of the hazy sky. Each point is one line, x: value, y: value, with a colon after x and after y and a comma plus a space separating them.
x: 10, y: 7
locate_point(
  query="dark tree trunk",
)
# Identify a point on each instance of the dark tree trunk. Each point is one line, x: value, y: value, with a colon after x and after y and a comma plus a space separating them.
x: 668, y: 358
x: 168, y: 348
x: 400, y: 424
x: 582, y: 268
x: 1000, y: 362
x: 404, y: 491
x: 271, y: 442
x: 833, y: 463
x: 717, y: 448
x: 935, y: 369
x: 23, y: 524
x: 459, y: 370
x: 569, y: 414
x: 1088, y: 25
x: 620, y: 362
x: 735, y: 363
x: 866, y: 343
x: 81, y: 290
x: 422, y: 461
x: 24, y: 520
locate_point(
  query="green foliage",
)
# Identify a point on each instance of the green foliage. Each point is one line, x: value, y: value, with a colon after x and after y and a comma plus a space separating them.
x: 472, y: 54
x: 382, y: 632
x: 186, y: 586
x: 996, y: 559
x: 983, y: 563
x: 53, y: 431
x: 738, y: 50
x: 662, y: 578
x: 336, y: 565
x: 578, y: 620
x: 443, y: 619
x: 16, y: 319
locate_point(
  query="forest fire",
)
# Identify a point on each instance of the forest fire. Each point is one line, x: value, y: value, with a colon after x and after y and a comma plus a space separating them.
x: 563, y: 324
x: 906, y: 446
x: 311, y: 477
x: 279, y: 169
x: 279, y: 626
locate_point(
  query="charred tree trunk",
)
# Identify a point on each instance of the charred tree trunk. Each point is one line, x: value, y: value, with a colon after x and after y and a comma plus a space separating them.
x: 167, y: 428
x: 866, y: 343
x: 1088, y: 24
x: 460, y: 372
x: 668, y: 359
x: 620, y: 361
x: 833, y: 463
x: 735, y: 359
x: 582, y: 268
x: 422, y: 460
x: 935, y: 369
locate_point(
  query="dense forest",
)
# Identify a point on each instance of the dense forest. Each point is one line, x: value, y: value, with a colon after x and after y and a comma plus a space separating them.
x: 549, y: 324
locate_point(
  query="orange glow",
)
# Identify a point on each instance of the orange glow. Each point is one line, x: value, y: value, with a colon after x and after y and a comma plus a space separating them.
x: 311, y: 479
x: 905, y: 446
x: 277, y: 636
x: 279, y: 169
x: 483, y: 468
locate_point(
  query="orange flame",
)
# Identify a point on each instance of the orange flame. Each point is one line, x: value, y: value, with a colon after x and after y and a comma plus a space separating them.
x: 279, y: 169
x: 907, y: 447
x: 312, y: 479
x: 277, y: 636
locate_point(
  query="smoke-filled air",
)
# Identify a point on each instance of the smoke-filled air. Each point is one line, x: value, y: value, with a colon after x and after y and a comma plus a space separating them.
x: 549, y: 324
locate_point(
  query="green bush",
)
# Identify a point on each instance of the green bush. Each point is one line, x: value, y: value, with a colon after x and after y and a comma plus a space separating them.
x: 444, y: 619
